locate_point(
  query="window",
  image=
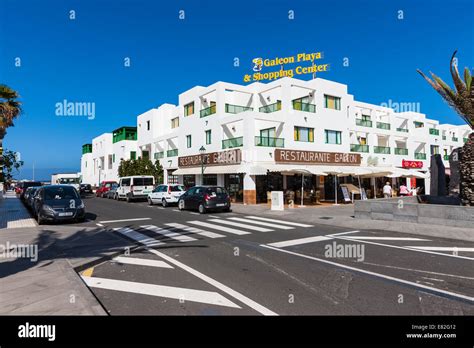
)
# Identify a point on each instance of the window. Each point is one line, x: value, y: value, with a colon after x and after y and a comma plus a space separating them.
x: 188, y: 141
x: 147, y: 125
x: 145, y: 154
x: 434, y: 149
x: 133, y: 155
x: 189, y: 109
x: 208, y: 136
x: 418, y: 124
x: 172, y: 179
x: 331, y: 102
x: 333, y: 137
x: 365, y: 117
x: 113, y: 158
x: 143, y: 181
x: 110, y: 160
x: 175, y: 122
x: 362, y: 141
x: 268, y: 133
x: 304, y: 134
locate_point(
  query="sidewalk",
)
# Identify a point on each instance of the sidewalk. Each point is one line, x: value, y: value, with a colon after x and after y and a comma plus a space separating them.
x: 342, y: 215
x: 47, y: 284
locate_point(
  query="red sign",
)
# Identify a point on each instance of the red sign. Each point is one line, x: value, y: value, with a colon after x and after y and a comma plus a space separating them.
x: 412, y: 164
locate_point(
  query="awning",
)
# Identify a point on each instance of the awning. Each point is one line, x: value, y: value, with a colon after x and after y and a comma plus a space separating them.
x: 406, y: 173
x: 232, y: 169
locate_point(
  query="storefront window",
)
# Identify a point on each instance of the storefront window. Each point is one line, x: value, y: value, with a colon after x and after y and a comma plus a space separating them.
x: 234, y: 185
x: 172, y: 179
x: 189, y: 181
x: 209, y: 179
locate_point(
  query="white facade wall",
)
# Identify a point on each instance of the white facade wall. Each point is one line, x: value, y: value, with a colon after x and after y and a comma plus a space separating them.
x: 101, y: 150
x: 87, y: 168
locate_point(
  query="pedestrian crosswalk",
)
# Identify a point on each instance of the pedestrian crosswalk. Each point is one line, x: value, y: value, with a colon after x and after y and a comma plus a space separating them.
x: 213, y: 227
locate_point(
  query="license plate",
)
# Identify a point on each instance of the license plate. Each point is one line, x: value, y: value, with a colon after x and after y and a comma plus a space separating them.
x: 220, y: 204
x: 65, y: 214
x: 146, y: 191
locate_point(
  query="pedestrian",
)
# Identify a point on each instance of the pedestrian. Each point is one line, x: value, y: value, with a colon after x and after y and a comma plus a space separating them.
x: 387, y: 190
x: 403, y: 190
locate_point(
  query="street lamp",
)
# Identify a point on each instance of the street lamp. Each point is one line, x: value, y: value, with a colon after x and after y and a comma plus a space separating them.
x: 202, y: 151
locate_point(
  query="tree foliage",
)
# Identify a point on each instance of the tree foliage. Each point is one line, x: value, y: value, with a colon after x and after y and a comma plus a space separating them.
x: 10, y: 108
x: 141, y: 166
x: 10, y: 165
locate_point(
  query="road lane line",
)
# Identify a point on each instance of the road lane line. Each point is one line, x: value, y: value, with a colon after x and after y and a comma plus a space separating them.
x: 279, y: 221
x: 141, y: 262
x: 236, y: 224
x: 214, y: 216
x: 220, y: 228
x: 452, y: 249
x: 404, y: 248
x: 379, y: 275
x: 388, y: 238
x: 340, y: 233
x: 209, y: 297
x: 100, y: 225
x: 169, y: 234
x: 123, y: 220
x: 299, y: 241
x: 195, y: 230
x: 238, y: 296
x: 128, y: 232
x: 268, y: 224
x: 193, y: 213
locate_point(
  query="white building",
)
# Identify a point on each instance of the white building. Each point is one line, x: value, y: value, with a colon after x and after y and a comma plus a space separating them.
x: 255, y: 137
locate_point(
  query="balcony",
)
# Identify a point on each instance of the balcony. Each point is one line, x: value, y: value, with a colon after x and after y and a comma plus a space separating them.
x: 455, y: 139
x: 159, y: 155
x: 446, y: 157
x: 382, y: 149
x: 363, y: 123
x: 402, y: 130
x: 465, y: 140
x: 307, y: 107
x: 383, y: 125
x: 172, y: 153
x: 124, y: 133
x: 269, y: 142
x: 208, y: 111
x: 359, y: 148
x: 401, y: 151
x: 434, y: 131
x: 420, y: 156
x: 233, y: 142
x: 235, y: 109
x: 271, y: 108
x: 86, y: 148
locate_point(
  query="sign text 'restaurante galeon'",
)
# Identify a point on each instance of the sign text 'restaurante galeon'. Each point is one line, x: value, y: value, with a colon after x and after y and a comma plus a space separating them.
x: 211, y: 159
x: 316, y: 157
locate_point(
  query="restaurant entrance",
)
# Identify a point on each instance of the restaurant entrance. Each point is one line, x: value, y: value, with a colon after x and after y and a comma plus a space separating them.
x: 273, y: 181
x: 234, y: 184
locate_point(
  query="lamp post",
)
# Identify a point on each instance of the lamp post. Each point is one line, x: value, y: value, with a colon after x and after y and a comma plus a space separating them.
x: 202, y: 151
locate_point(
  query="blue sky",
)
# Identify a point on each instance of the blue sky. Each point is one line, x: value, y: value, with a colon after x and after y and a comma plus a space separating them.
x: 82, y: 59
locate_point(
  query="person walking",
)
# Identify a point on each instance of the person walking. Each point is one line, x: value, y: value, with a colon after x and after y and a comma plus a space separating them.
x: 387, y: 190
x: 403, y: 190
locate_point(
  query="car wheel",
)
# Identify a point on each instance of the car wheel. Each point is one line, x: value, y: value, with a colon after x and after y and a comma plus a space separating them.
x: 164, y: 203
x: 181, y: 204
x: 227, y: 210
x: 202, y: 208
x: 150, y: 201
x: 128, y: 199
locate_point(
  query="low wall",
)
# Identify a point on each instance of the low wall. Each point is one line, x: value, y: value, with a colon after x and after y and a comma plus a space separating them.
x: 407, y: 209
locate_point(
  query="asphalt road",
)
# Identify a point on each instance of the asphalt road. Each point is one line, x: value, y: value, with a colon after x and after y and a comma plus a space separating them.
x: 243, y: 264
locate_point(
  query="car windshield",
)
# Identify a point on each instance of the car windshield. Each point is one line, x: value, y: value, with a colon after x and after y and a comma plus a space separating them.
x: 69, y: 181
x: 55, y: 193
x: 177, y: 188
x: 216, y: 190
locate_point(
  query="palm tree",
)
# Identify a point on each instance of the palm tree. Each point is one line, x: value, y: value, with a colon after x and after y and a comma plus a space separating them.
x: 10, y: 108
x: 462, y: 98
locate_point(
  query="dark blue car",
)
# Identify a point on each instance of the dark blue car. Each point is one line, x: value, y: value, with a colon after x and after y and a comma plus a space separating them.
x: 58, y: 203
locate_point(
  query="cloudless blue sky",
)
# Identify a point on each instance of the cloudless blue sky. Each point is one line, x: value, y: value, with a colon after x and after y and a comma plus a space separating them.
x: 82, y: 59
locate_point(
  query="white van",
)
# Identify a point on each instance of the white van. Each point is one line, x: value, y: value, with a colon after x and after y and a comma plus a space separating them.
x: 135, y: 187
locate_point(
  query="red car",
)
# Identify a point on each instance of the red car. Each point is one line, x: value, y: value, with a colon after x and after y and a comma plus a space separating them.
x: 104, y: 187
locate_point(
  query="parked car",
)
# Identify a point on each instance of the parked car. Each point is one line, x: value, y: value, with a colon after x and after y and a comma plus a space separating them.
x: 85, y: 188
x: 135, y: 187
x: 58, y: 203
x: 29, y: 194
x: 112, y: 192
x: 21, y: 188
x: 205, y: 198
x: 104, y: 187
x: 166, y: 194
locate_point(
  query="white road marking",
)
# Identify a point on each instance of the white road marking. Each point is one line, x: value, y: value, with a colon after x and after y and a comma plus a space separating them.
x: 236, y: 224
x: 281, y: 227
x: 138, y: 236
x: 169, y: 234
x: 279, y: 221
x: 340, y: 233
x: 452, y: 249
x: 195, y: 230
x: 419, y: 271
x: 141, y: 262
x: 388, y: 238
x: 214, y: 216
x: 193, y: 213
x: 123, y: 220
x: 299, y: 241
x: 405, y: 248
x: 383, y: 276
x: 160, y: 208
x: 220, y: 228
x: 100, y: 225
x: 192, y: 295
x: 176, y: 210
x: 247, y: 301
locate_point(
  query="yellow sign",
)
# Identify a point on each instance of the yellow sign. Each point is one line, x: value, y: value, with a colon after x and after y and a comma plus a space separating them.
x: 259, y: 63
